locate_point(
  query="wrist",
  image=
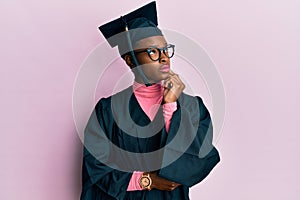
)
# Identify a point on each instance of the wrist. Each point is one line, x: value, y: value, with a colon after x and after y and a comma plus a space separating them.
x: 146, y: 181
x: 169, y: 101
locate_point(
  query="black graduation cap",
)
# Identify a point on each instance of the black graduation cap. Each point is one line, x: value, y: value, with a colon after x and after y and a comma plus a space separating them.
x: 125, y: 31
x: 144, y: 17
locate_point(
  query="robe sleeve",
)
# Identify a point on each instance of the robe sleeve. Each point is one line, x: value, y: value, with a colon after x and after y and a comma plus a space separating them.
x: 97, y: 177
x: 196, y: 161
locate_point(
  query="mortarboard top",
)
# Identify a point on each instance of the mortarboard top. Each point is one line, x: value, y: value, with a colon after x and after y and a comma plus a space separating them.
x: 142, y: 23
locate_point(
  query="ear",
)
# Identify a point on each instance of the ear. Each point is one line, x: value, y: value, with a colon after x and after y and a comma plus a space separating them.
x: 129, y: 61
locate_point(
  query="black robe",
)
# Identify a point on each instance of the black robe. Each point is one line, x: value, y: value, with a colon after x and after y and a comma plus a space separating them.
x: 186, y: 159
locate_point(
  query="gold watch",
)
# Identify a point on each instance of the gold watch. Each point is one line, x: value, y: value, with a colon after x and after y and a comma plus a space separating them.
x: 145, y: 181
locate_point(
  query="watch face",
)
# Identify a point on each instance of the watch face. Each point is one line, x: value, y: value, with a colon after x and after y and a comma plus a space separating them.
x: 145, y: 181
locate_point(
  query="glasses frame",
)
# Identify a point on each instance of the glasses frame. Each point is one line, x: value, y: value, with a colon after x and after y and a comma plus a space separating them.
x: 164, y: 49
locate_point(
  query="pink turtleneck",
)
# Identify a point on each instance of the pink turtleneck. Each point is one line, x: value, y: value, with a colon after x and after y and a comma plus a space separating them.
x: 150, y: 99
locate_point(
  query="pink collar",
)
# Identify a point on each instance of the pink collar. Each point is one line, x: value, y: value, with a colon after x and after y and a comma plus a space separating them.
x: 143, y: 91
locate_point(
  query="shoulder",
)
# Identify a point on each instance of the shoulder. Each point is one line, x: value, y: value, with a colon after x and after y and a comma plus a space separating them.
x: 193, y: 105
x: 190, y: 101
x: 118, y: 99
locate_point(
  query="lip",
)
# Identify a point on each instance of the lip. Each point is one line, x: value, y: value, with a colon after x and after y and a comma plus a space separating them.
x: 165, y: 68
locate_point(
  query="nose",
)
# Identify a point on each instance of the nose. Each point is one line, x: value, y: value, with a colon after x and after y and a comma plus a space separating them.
x: 163, y: 57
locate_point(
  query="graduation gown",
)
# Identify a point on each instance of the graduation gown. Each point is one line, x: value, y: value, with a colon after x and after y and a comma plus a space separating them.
x: 115, y: 130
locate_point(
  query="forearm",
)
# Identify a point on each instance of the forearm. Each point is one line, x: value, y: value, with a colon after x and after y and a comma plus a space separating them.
x: 195, y: 162
x: 168, y: 110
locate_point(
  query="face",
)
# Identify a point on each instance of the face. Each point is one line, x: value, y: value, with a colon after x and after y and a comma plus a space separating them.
x: 155, y: 71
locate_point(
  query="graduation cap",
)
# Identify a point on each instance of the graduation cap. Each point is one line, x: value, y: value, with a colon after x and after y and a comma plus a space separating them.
x: 125, y: 31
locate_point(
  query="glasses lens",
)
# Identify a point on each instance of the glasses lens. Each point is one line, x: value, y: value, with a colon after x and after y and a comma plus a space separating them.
x: 154, y: 53
x: 169, y: 50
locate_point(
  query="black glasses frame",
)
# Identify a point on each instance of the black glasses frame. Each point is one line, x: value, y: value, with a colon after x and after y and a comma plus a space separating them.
x: 164, y: 49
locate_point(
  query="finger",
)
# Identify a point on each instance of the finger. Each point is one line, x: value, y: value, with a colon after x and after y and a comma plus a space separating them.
x: 173, y: 85
x: 168, y: 78
x: 174, y: 77
x: 177, y: 81
x: 177, y: 78
x: 174, y: 185
x: 171, y: 79
x: 166, y: 90
x: 168, y: 84
x: 171, y: 72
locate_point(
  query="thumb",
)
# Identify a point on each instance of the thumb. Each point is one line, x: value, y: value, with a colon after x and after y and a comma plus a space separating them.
x: 166, y: 90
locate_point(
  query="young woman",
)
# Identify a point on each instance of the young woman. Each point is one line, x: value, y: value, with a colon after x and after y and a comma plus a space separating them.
x: 149, y: 141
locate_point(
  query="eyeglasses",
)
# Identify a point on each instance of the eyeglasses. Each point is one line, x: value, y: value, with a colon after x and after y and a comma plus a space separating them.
x: 154, y: 53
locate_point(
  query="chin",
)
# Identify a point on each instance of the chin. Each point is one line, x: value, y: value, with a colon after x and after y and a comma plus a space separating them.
x: 165, y: 76
x: 159, y: 78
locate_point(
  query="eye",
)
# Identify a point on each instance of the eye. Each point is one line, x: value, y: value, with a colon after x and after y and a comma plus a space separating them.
x: 152, y: 51
x: 165, y: 49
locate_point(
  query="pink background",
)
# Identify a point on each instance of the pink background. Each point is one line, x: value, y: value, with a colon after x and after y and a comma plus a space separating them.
x: 254, y: 44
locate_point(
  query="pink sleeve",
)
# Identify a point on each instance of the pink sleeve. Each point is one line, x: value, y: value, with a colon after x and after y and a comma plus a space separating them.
x: 168, y: 110
x: 134, y: 183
